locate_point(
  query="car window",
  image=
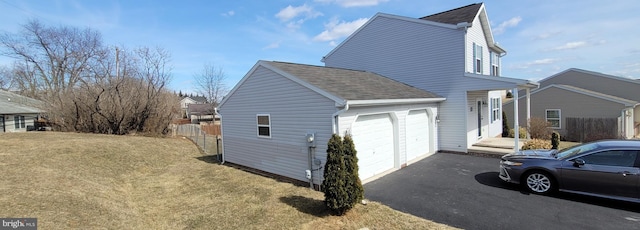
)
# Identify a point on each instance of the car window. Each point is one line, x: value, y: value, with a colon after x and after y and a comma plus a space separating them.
x: 624, y: 158
x: 575, y: 150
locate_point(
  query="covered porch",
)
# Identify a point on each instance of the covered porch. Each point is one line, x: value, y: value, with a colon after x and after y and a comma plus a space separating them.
x: 481, y: 105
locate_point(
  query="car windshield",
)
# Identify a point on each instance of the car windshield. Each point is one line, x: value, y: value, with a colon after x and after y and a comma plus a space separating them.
x: 575, y: 150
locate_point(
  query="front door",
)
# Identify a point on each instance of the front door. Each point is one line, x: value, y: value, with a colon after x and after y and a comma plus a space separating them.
x: 479, y: 110
x: 2, y: 123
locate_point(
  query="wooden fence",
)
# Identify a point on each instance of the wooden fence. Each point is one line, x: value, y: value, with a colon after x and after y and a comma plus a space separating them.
x: 211, y: 129
x: 590, y: 129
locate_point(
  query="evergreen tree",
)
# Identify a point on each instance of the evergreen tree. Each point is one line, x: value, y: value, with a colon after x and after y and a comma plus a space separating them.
x: 354, y: 185
x: 334, y: 187
x: 505, y: 125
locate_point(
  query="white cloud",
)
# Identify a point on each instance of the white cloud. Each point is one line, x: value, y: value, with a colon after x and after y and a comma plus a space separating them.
x: 570, y: 45
x: 513, y: 22
x: 229, y: 13
x: 539, y: 62
x: 272, y: 46
x: 290, y: 12
x: 335, y: 29
x: 353, y: 3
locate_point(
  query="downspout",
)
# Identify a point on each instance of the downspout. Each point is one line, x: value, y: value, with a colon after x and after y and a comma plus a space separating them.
x: 336, y: 129
x: 215, y: 111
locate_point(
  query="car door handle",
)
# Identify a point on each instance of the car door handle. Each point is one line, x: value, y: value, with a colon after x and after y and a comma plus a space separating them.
x: 627, y: 173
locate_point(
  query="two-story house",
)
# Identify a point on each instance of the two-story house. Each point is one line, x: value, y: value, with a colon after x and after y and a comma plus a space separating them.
x: 403, y: 88
x: 452, y: 54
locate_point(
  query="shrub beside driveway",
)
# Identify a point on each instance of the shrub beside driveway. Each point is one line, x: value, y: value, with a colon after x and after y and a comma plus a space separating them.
x: 70, y: 180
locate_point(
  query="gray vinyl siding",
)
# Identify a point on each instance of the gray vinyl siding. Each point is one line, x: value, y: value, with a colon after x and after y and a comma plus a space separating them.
x: 571, y: 104
x: 294, y: 110
x: 424, y: 56
x: 428, y: 57
x: 623, y: 88
x: 476, y: 35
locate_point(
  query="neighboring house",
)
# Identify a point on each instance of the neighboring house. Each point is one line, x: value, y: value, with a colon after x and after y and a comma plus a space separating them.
x: 186, y: 101
x: 18, y: 113
x: 452, y: 54
x: 201, y: 112
x: 577, y: 93
x: 268, y: 116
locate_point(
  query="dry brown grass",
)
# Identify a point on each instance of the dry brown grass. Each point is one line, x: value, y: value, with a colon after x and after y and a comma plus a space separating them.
x: 70, y: 180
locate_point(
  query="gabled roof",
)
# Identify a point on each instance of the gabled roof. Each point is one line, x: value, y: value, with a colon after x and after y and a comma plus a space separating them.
x: 200, y: 99
x: 11, y: 103
x: 345, y: 85
x: 462, y: 14
x: 586, y: 92
x: 205, y: 108
x: 592, y: 73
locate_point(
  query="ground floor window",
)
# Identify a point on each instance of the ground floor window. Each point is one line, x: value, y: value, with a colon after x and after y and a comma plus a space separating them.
x: 496, y: 105
x: 553, y: 118
x: 264, y: 125
x: 19, y: 121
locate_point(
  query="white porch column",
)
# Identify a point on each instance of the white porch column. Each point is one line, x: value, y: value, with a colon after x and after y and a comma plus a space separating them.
x: 528, y: 112
x: 516, y: 128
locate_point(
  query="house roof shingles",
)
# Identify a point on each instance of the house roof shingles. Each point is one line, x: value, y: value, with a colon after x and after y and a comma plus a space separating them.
x: 11, y: 103
x: 457, y: 15
x: 352, y: 84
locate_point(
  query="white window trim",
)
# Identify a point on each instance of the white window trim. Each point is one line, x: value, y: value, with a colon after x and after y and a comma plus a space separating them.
x: 559, y: 118
x: 496, y: 105
x: 477, y: 59
x: 495, y: 64
x: 259, y: 125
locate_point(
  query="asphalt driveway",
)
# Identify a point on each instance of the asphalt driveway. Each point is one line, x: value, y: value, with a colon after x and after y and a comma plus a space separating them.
x: 465, y: 192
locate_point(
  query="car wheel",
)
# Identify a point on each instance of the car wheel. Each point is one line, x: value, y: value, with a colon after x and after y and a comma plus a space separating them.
x: 539, y: 182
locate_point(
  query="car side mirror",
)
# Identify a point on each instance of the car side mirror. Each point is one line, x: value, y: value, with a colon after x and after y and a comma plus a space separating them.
x: 578, y: 162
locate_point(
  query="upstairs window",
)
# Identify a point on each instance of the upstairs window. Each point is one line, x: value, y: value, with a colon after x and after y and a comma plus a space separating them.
x: 553, y: 117
x: 477, y: 58
x: 264, y: 125
x: 495, y: 64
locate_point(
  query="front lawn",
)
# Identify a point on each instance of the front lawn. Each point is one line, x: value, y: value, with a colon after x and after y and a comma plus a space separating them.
x: 88, y: 181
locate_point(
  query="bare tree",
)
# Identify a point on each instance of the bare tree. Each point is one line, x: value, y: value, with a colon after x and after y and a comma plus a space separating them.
x: 88, y: 87
x: 210, y: 82
x: 5, y: 78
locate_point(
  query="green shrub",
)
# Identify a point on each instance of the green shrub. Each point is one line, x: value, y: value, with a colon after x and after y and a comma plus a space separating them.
x: 334, y: 184
x: 536, y: 144
x: 522, y: 134
x: 555, y: 140
x: 539, y: 128
x: 354, y: 185
x: 505, y: 125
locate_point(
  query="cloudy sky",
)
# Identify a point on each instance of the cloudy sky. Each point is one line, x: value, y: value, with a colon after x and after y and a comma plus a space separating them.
x: 542, y: 37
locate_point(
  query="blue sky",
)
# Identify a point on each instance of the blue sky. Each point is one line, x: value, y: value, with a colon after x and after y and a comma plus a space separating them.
x: 542, y: 37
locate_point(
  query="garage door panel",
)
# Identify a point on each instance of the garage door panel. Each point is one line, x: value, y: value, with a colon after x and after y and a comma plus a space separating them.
x: 373, y: 138
x: 417, y: 137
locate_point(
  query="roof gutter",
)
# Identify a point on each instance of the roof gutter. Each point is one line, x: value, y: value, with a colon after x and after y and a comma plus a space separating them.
x: 394, y: 101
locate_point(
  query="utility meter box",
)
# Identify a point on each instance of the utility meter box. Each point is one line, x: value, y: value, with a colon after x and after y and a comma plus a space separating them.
x: 308, y: 173
x: 311, y: 140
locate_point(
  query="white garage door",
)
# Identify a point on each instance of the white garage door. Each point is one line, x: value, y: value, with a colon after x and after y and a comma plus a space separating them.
x: 373, y: 137
x: 417, y: 134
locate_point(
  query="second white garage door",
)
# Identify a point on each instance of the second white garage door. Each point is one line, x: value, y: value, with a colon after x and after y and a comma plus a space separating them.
x: 374, y: 141
x: 417, y: 134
